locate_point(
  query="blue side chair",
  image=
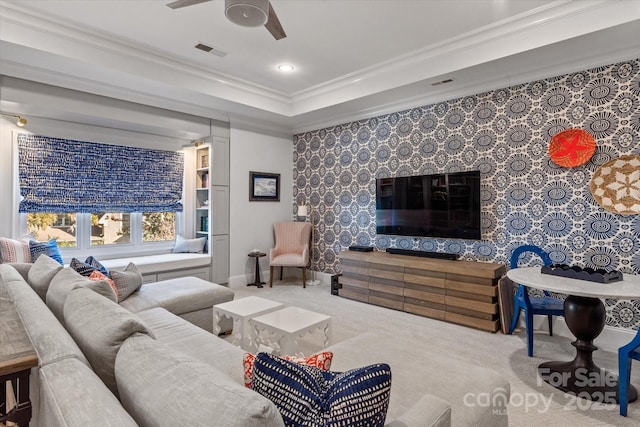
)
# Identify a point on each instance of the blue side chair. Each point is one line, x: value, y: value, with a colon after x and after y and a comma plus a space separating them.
x: 625, y: 355
x: 545, y: 305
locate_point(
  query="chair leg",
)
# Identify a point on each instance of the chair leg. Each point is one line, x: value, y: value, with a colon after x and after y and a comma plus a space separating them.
x: 514, y: 320
x: 550, y: 325
x: 281, y: 268
x: 624, y: 377
x: 529, y: 327
x: 271, y: 276
x: 304, y: 277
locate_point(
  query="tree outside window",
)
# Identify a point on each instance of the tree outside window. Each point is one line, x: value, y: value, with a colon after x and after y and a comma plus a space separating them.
x: 158, y: 226
x: 47, y: 226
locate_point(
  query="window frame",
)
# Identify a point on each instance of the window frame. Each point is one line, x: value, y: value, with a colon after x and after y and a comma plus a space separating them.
x: 136, y: 247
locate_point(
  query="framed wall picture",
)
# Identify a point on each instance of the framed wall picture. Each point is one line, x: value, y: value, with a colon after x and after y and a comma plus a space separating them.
x: 264, y: 187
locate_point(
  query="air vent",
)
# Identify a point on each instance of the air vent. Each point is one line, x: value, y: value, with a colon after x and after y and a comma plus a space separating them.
x: 441, y: 82
x: 209, y: 49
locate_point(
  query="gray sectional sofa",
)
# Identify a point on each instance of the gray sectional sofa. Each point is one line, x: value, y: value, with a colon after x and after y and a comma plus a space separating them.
x: 141, y: 364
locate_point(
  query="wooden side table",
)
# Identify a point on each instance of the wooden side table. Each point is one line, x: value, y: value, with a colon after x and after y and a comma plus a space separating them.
x: 257, y: 282
x: 17, y: 357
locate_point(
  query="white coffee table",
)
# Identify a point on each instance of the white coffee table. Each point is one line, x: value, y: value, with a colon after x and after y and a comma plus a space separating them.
x: 282, y: 329
x: 241, y: 310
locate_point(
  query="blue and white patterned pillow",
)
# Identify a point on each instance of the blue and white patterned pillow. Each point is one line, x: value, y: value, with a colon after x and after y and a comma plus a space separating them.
x: 49, y: 248
x: 88, y: 267
x: 308, y: 396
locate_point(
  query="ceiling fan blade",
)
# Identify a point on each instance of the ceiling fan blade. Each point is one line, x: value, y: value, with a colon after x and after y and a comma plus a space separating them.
x: 273, y: 24
x: 184, y: 3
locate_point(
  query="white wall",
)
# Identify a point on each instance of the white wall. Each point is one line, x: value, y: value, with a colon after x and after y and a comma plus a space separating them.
x: 251, y: 224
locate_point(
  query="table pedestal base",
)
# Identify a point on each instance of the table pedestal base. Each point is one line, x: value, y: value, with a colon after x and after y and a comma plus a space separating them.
x: 581, y: 377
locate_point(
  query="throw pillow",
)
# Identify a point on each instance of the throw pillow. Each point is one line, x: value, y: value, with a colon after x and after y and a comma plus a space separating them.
x: 127, y: 281
x: 320, y: 360
x: 306, y: 395
x: 97, y: 276
x: 95, y: 263
x: 49, y: 248
x: 189, y: 245
x: 12, y: 251
x: 67, y: 280
x: 87, y: 267
x: 41, y: 273
x: 99, y: 327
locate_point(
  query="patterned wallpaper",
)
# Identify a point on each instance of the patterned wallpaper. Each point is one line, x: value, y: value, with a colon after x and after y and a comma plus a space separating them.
x: 526, y: 198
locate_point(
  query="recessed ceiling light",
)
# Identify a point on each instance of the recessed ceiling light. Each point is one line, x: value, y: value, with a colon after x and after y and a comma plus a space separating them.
x: 286, y: 68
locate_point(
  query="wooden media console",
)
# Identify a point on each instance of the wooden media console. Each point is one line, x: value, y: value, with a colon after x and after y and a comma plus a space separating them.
x: 462, y: 292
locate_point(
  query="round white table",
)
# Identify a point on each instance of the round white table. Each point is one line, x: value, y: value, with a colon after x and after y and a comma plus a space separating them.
x: 585, y: 316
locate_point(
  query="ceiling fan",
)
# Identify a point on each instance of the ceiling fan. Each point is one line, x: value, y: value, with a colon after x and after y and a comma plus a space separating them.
x: 248, y: 13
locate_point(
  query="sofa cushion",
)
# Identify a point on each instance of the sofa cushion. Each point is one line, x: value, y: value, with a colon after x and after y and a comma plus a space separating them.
x: 50, y: 339
x: 439, y: 414
x: 64, y: 282
x: 49, y: 248
x: 73, y: 396
x: 127, y: 281
x: 162, y: 387
x: 306, y: 395
x: 100, y: 326
x: 12, y: 251
x: 179, y: 296
x: 41, y: 273
x: 194, y: 341
x: 320, y: 360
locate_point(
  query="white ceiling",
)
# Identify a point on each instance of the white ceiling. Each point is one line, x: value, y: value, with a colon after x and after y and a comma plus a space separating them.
x: 353, y: 58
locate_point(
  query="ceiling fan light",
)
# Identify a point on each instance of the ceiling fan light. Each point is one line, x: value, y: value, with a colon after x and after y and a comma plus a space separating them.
x: 248, y: 13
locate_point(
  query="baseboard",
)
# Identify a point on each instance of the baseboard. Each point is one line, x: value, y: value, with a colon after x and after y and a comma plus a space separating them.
x: 242, y: 279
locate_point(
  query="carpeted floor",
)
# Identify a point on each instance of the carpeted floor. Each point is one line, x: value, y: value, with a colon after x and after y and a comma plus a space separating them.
x: 533, y: 402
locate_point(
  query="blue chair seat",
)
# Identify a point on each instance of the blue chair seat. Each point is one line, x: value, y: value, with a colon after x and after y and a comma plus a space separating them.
x: 544, y: 305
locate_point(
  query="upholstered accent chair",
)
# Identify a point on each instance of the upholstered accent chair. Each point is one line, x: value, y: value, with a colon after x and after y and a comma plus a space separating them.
x: 291, y: 248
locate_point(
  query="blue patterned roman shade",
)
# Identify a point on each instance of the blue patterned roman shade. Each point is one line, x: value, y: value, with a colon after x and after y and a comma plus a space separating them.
x: 62, y: 175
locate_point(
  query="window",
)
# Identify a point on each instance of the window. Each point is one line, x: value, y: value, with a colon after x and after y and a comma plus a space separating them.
x: 104, y: 231
x: 46, y: 226
x: 99, y: 197
x: 158, y: 226
x: 109, y: 228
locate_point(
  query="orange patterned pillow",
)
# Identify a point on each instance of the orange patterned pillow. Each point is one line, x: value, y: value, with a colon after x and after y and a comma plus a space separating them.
x: 97, y: 275
x: 320, y: 360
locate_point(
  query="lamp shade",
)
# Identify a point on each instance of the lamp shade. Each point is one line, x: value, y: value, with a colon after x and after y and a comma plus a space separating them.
x: 303, y: 210
x: 248, y: 13
x: 571, y: 148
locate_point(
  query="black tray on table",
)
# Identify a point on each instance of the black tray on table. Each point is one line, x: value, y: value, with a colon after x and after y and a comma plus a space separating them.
x: 586, y: 273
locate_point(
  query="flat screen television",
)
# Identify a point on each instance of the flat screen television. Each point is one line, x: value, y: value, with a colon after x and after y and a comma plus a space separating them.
x: 441, y: 205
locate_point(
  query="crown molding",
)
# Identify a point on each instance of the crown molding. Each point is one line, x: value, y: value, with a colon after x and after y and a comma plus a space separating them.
x: 25, y: 27
x: 550, y: 24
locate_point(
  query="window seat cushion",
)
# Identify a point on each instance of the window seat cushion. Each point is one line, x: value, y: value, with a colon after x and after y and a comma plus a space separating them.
x: 148, y: 264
